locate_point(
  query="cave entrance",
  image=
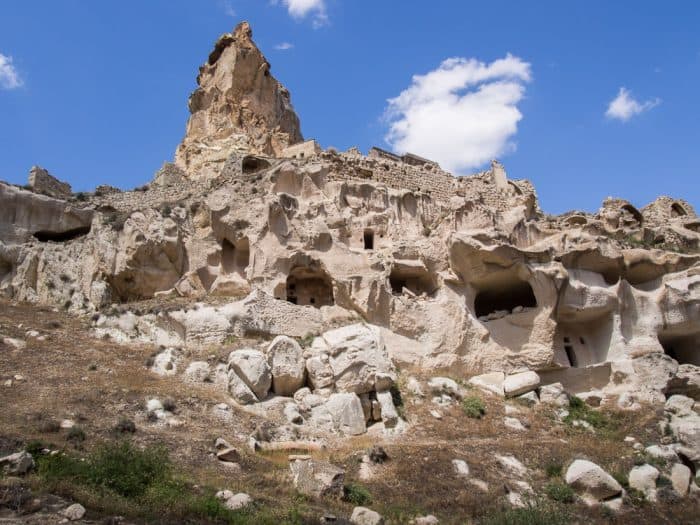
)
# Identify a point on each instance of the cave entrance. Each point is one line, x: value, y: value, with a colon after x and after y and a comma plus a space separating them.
x: 307, y: 286
x: 235, y: 257
x: 631, y: 215
x: 684, y: 348
x: 251, y: 164
x: 502, y: 295
x: 368, y: 238
x: 414, y: 277
x: 65, y: 236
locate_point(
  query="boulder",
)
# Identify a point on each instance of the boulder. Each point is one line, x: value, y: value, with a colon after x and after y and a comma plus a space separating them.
x: 643, y: 478
x: 357, y: 358
x: 234, y: 501
x: 529, y: 399
x: 317, y: 479
x: 239, y: 390
x: 228, y: 454
x: 319, y: 371
x: 74, y: 512
x: 492, y: 382
x: 511, y: 465
x: 681, y: 477
x: 665, y: 452
x: 461, y: 468
x: 445, y: 386
x: 17, y: 464
x: 198, y: 372
x: 347, y: 414
x: 554, y: 394
x: 592, y: 481
x: 425, y: 520
x: 167, y: 361
x: 286, y: 360
x: 251, y: 366
x: 365, y: 516
x: 292, y: 414
x: 389, y: 415
x: 686, y: 381
x: 680, y: 405
x: 517, y: 384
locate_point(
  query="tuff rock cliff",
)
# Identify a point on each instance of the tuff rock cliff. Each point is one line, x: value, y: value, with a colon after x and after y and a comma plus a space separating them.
x: 373, y: 262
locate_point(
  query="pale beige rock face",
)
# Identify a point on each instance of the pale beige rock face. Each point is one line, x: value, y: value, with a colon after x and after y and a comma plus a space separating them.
x: 381, y: 261
x: 237, y: 106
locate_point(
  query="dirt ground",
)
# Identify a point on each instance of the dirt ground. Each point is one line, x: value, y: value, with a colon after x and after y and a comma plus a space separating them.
x: 96, y: 382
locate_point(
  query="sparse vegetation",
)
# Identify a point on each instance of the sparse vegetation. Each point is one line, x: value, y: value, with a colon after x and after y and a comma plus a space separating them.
x: 536, y: 514
x: 554, y: 469
x: 75, y: 435
x: 473, y: 407
x: 580, y: 411
x: 357, y: 494
x: 560, y: 492
x: 125, y: 426
x: 121, y: 478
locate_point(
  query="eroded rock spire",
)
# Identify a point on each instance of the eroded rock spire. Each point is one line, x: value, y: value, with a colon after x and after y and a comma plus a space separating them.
x: 237, y: 106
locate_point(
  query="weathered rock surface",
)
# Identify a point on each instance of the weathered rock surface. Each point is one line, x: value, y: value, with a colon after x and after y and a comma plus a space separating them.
x: 316, y: 478
x: 287, y: 365
x: 591, y: 481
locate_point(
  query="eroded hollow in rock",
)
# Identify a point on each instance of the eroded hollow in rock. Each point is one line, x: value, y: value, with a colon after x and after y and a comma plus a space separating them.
x: 5, y: 269
x: 251, y: 164
x: 368, y: 238
x: 65, y: 236
x: 306, y: 286
x: 582, y: 344
x: 417, y: 280
x: 503, y: 293
x: 632, y: 215
x: 684, y: 348
x: 235, y: 257
x: 677, y: 210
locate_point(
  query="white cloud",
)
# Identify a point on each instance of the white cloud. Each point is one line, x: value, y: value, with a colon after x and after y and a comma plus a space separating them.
x: 284, y: 46
x: 9, y: 77
x: 301, y: 8
x: 624, y: 106
x: 462, y: 114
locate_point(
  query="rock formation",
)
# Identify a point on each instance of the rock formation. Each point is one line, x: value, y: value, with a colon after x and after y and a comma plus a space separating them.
x: 237, y: 106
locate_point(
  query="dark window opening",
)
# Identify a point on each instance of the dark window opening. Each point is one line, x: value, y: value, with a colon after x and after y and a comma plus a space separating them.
x: 235, y: 257
x: 292, y: 300
x: 68, y: 235
x: 368, y: 238
x: 312, y: 300
x: 567, y: 340
x: 504, y: 297
x: 583, y: 342
x: 571, y: 356
x: 397, y: 285
x: 252, y: 164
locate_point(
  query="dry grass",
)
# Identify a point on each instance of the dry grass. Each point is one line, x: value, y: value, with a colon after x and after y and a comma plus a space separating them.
x: 96, y: 383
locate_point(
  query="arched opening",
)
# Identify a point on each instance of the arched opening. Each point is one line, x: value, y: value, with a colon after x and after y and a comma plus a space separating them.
x: 65, y: 236
x: 677, y: 210
x: 684, y: 348
x: 251, y: 164
x: 501, y: 296
x: 368, y: 237
x: 307, y: 286
x: 632, y: 214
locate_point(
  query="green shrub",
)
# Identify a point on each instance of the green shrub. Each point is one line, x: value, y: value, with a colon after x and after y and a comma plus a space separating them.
x: 75, y: 435
x: 579, y: 410
x: 473, y: 407
x: 553, y: 469
x: 357, y: 494
x: 35, y: 447
x: 621, y: 478
x: 560, y: 492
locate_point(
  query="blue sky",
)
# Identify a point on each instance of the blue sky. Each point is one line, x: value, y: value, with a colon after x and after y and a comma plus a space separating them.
x: 96, y: 91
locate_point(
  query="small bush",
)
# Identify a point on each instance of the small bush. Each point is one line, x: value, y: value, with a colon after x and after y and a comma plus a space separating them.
x: 75, y: 435
x: 170, y: 405
x: 621, y: 478
x: 473, y: 407
x: 306, y: 341
x: 49, y: 426
x: 560, y: 492
x: 553, y: 469
x: 125, y: 426
x: 357, y: 494
x: 35, y: 447
x: 579, y: 410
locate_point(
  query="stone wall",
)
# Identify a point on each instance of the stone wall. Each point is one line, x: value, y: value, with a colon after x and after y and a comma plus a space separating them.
x: 41, y: 181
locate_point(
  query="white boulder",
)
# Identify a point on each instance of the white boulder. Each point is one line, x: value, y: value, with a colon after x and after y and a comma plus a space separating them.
x: 521, y: 383
x: 287, y: 365
x: 592, y: 481
x: 251, y: 366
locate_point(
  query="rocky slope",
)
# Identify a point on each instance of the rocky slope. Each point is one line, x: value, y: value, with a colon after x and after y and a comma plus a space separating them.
x: 315, y: 290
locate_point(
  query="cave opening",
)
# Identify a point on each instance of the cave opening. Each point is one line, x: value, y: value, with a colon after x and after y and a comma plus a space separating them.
x: 677, y: 210
x: 251, y: 164
x: 684, y: 348
x: 309, y: 286
x: 504, y: 295
x: 64, y: 236
x: 417, y: 280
